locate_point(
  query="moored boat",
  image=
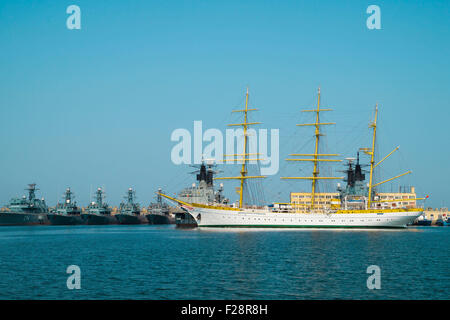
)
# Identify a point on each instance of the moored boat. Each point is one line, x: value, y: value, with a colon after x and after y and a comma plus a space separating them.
x: 422, y: 221
x: 159, y: 212
x: 130, y: 211
x: 202, y: 192
x: 98, y: 212
x: 442, y: 222
x: 67, y: 213
x: 25, y: 211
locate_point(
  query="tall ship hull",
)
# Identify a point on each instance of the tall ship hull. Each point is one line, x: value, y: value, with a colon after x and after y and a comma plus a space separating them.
x: 98, y: 219
x: 63, y: 220
x: 248, y: 218
x: 130, y: 219
x: 22, y: 219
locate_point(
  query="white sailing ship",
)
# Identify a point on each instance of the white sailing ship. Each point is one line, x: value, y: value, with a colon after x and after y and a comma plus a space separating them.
x: 352, y: 209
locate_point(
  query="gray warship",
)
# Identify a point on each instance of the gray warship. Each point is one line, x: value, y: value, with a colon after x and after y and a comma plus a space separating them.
x: 25, y: 211
x: 130, y: 211
x: 203, y: 193
x: 158, y: 211
x: 98, y: 212
x: 67, y: 213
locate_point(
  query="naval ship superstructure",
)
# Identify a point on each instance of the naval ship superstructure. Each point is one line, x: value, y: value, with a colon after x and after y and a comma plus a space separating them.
x: 66, y: 213
x: 354, y: 195
x: 309, y: 214
x: 202, y: 193
x: 130, y: 211
x: 25, y: 211
x: 98, y: 212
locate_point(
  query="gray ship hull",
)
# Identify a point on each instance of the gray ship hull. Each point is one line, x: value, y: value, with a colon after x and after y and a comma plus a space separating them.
x: 423, y: 222
x: 158, y: 219
x: 130, y: 219
x: 96, y: 219
x: 185, y: 220
x: 23, y: 219
x: 64, y: 220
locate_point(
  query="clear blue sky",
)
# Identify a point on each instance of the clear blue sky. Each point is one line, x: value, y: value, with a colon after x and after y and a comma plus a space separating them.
x: 96, y: 106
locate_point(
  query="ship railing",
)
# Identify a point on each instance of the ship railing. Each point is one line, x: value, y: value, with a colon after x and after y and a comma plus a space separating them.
x: 253, y: 207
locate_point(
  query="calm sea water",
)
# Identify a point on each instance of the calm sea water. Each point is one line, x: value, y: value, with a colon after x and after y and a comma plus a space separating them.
x: 161, y: 262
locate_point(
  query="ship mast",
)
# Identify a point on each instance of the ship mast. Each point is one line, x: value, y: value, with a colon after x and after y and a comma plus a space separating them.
x: 315, y: 174
x: 68, y: 196
x: 317, y: 134
x: 99, y: 196
x: 130, y: 196
x: 31, y: 191
x: 371, y: 152
x: 243, y: 173
x: 372, y: 155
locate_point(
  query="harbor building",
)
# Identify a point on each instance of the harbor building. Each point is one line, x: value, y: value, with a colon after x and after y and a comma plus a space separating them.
x: 434, y: 214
